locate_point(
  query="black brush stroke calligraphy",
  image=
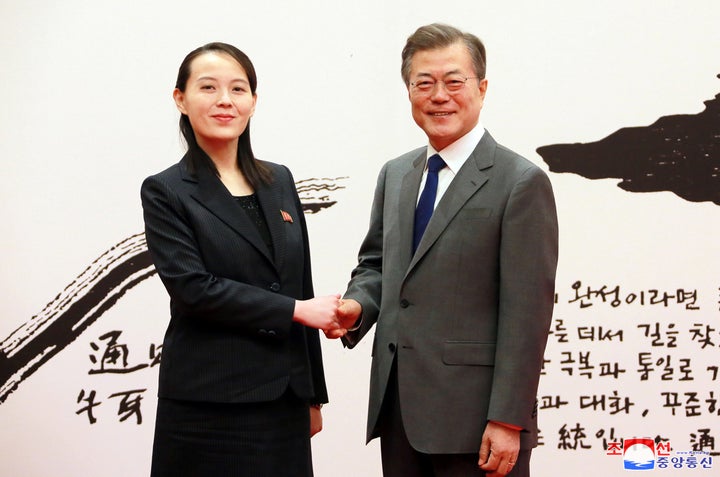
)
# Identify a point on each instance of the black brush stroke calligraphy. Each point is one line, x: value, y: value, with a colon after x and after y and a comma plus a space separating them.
x: 314, y: 193
x: 678, y: 153
x: 79, y: 305
x: 96, y: 290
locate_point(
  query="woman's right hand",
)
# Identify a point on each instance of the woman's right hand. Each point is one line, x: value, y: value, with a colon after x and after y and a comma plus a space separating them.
x: 319, y: 312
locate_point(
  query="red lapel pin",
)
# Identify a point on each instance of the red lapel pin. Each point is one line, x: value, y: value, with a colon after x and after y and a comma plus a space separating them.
x: 286, y: 216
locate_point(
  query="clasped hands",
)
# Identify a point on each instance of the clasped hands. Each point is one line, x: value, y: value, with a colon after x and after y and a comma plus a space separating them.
x: 331, y: 314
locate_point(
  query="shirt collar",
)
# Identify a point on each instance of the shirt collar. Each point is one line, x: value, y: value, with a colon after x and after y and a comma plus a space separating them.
x: 457, y: 153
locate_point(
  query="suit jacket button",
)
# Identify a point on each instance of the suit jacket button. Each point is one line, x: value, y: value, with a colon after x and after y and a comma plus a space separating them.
x: 262, y: 332
x: 275, y: 287
x: 391, y: 347
x: 404, y: 303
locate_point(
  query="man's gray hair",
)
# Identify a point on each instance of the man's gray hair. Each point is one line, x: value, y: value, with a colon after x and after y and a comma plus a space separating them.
x: 438, y: 35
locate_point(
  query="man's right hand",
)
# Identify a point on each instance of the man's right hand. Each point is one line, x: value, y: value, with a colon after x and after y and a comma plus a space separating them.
x: 347, y: 315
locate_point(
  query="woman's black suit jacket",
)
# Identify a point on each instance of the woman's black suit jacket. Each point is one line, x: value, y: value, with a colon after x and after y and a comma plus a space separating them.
x: 231, y: 337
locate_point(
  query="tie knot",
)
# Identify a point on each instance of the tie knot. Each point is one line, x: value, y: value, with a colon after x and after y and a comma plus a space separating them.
x: 435, y: 163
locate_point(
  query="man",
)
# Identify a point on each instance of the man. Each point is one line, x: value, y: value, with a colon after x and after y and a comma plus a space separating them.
x: 462, y: 321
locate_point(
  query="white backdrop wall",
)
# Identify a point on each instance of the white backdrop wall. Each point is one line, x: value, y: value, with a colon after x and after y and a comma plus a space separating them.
x: 87, y: 113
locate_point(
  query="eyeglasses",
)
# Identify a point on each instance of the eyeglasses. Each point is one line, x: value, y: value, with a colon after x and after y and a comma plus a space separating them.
x: 453, y: 84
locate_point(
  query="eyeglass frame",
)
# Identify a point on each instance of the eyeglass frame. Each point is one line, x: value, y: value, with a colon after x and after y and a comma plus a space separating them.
x: 435, y: 82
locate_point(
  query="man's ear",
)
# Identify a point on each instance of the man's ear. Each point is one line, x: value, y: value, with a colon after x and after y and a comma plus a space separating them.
x: 483, y: 84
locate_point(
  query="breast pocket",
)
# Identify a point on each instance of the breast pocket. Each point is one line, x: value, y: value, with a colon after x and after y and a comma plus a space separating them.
x: 475, y: 213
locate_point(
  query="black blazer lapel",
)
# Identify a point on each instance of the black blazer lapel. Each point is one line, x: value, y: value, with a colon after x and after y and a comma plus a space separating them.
x: 214, y: 196
x: 270, y: 198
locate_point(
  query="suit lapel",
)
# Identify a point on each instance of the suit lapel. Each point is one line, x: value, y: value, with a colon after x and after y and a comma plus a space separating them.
x: 215, y: 197
x: 270, y: 198
x: 406, y: 213
x: 469, y: 179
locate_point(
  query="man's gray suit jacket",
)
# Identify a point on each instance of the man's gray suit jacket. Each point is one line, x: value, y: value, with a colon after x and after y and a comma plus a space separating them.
x: 467, y: 316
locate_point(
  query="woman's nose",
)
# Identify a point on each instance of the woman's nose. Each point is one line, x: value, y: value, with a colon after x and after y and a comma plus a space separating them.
x: 224, y: 97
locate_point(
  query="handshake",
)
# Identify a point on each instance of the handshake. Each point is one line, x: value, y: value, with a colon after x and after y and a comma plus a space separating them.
x: 331, y: 314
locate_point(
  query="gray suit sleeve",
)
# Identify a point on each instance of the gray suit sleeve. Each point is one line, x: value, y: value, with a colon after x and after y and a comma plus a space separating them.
x: 528, y: 260
x: 365, y: 284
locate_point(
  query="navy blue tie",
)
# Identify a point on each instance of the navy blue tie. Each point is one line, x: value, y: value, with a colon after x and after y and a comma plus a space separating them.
x: 426, y: 205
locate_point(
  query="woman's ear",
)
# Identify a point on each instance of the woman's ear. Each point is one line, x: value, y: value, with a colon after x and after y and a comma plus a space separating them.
x: 179, y: 98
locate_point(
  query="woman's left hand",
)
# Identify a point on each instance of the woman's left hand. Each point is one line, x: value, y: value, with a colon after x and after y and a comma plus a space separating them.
x: 316, y: 422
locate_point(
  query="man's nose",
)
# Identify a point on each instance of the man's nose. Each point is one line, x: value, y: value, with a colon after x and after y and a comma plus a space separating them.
x: 439, y: 92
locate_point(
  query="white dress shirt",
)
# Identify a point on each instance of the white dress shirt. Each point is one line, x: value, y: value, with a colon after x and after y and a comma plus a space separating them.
x: 454, y: 156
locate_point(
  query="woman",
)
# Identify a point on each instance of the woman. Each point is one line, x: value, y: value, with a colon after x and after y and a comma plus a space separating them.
x: 241, y: 378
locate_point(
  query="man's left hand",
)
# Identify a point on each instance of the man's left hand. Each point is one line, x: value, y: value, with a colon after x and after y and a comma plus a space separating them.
x: 499, y: 449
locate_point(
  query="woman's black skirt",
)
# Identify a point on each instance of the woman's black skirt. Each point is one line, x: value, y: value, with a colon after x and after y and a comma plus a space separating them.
x: 198, y: 439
